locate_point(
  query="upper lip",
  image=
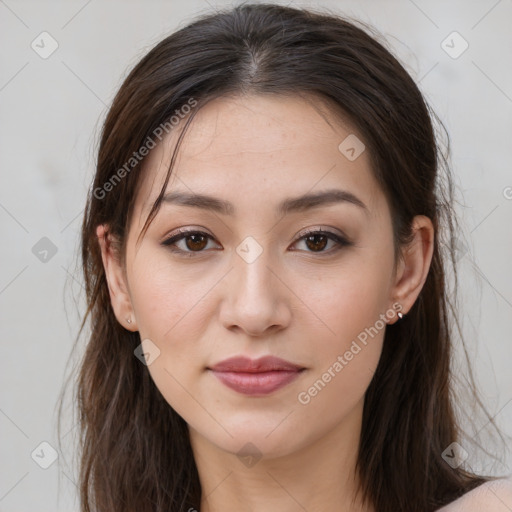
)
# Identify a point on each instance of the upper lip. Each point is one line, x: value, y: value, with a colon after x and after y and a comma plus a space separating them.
x: 247, y: 365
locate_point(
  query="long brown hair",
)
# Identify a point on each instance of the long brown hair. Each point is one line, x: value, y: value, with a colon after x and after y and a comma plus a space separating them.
x: 135, y: 451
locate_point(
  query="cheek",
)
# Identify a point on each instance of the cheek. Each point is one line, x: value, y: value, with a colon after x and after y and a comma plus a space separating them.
x: 345, y: 360
x: 353, y: 317
x: 351, y: 307
x: 173, y: 311
x: 169, y: 304
x: 170, y: 313
x: 346, y: 300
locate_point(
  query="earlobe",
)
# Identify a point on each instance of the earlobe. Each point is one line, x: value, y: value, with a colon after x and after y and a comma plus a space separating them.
x: 114, y: 273
x: 415, y: 264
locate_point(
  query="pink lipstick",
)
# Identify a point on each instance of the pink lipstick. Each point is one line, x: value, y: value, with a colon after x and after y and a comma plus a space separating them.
x: 255, y: 376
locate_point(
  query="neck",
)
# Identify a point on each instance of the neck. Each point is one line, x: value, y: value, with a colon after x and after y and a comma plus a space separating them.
x: 317, y: 476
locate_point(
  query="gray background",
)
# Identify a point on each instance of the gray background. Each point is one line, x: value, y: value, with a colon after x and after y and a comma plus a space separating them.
x: 51, y: 112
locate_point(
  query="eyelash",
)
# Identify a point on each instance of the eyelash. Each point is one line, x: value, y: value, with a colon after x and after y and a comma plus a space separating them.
x: 182, y: 234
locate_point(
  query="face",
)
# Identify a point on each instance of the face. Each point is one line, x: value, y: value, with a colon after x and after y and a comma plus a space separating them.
x: 312, y: 286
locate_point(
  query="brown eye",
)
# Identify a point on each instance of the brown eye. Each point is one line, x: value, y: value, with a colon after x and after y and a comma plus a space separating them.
x: 316, y: 242
x: 194, y: 242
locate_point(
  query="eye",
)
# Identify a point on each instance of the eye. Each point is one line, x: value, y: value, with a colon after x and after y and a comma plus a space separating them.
x: 317, y: 240
x: 197, y: 241
x: 194, y: 241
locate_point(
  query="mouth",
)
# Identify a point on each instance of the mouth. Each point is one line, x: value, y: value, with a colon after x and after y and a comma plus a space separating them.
x: 256, y: 377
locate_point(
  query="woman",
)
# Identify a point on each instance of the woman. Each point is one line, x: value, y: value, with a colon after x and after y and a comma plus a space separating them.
x: 270, y: 325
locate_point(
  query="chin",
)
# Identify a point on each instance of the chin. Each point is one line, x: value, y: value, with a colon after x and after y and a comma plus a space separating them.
x: 253, y: 440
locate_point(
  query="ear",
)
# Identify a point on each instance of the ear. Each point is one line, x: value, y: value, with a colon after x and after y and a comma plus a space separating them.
x: 116, y: 280
x: 413, y: 268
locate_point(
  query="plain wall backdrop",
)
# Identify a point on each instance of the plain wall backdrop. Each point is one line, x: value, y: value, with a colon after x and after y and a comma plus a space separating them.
x: 61, y: 64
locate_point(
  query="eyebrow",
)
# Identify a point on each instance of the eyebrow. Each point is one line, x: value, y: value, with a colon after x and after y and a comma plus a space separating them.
x: 295, y: 204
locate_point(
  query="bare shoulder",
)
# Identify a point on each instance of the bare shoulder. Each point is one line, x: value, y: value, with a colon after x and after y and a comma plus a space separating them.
x: 494, y: 496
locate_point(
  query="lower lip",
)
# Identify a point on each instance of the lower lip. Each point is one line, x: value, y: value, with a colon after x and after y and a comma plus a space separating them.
x: 256, y: 383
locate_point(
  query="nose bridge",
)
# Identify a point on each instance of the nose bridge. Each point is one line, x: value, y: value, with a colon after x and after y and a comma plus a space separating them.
x: 253, y: 300
x: 253, y: 272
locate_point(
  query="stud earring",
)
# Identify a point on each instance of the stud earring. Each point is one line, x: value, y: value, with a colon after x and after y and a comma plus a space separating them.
x: 129, y: 320
x: 400, y: 315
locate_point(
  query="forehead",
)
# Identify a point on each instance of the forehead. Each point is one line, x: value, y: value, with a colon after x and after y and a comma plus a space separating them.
x: 249, y: 148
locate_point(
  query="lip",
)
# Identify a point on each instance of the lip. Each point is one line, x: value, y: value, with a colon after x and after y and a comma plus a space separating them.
x: 256, y: 376
x: 247, y: 365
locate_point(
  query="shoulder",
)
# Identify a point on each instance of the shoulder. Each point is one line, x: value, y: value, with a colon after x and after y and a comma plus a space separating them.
x: 494, y: 496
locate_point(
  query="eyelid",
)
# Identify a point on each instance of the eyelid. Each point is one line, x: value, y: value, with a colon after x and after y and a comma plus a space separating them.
x: 327, y: 230
x: 184, y: 231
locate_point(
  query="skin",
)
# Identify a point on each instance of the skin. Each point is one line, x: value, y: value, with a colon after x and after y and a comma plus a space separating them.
x: 304, y: 306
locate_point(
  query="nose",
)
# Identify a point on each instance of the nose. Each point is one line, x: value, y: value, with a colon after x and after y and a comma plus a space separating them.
x: 255, y: 299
